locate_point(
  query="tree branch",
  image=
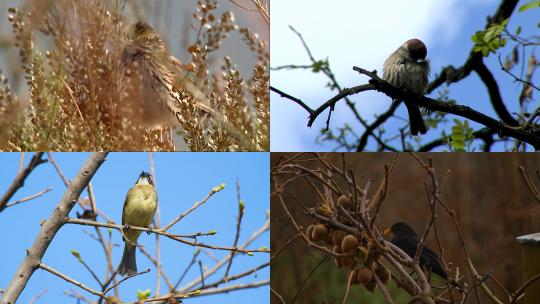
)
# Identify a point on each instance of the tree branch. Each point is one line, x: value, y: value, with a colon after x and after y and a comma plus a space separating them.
x: 449, y: 74
x: 18, y: 182
x: 494, y: 94
x: 376, y: 83
x: 50, y: 227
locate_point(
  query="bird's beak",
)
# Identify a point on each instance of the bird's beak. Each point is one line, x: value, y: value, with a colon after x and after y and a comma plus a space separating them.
x: 387, y: 232
x: 421, y: 60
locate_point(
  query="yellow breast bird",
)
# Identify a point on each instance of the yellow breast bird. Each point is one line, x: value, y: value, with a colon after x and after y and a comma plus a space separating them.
x: 139, y: 208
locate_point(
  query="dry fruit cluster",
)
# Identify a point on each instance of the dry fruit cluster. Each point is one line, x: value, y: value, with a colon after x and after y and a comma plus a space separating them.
x: 350, y: 251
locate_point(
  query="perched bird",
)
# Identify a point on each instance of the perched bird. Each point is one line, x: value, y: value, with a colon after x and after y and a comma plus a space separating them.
x: 139, y: 208
x: 149, y: 76
x: 407, y: 240
x: 408, y: 69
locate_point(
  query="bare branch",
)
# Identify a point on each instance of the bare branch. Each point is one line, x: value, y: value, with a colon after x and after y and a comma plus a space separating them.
x: 50, y: 227
x: 18, y: 182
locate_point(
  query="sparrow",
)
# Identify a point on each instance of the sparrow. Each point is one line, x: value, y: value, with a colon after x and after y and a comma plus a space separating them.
x: 150, y: 78
x: 407, y: 68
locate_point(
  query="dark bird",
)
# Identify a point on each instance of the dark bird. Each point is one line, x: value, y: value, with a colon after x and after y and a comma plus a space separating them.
x: 407, y: 240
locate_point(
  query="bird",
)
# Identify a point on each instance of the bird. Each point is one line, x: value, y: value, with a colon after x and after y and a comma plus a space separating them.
x: 406, y: 239
x: 149, y: 81
x: 407, y: 68
x: 139, y: 208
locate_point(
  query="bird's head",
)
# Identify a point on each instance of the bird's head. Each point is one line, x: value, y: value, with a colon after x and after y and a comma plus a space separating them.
x: 145, y: 37
x: 145, y: 178
x: 400, y: 228
x: 416, y: 49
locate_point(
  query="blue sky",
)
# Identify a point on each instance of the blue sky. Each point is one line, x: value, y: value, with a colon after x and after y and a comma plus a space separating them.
x: 182, y: 179
x: 364, y: 33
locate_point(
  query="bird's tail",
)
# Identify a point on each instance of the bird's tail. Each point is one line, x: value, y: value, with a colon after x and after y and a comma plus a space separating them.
x: 456, y: 285
x: 416, y: 121
x: 128, y: 265
x: 437, y: 269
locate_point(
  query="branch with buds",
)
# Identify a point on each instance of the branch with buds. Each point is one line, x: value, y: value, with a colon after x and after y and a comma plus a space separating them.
x: 525, y: 133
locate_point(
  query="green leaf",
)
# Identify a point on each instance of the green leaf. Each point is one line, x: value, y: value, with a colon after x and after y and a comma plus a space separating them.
x: 493, y: 45
x: 529, y: 6
x: 461, y: 136
x: 457, y: 123
x: 319, y: 65
x: 490, y: 33
x: 76, y: 254
x: 143, y: 295
x: 458, y: 137
x: 518, y: 30
x: 489, y: 40
x: 218, y: 188
x: 242, y: 205
x: 316, y: 66
x: 459, y: 147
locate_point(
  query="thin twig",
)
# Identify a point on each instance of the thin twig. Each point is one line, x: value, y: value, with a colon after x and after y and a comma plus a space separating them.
x: 31, y: 197
x: 18, y: 182
x: 70, y: 280
x: 197, y: 204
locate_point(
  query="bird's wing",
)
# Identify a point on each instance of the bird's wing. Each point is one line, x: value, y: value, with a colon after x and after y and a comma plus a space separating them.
x: 427, y: 251
x: 433, y: 262
x: 407, y: 244
x: 124, y: 208
x: 428, y: 258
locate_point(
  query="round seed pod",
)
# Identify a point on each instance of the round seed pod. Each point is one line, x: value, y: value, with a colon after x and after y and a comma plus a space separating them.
x: 319, y: 233
x: 338, y: 260
x: 354, y: 279
x: 364, y: 275
x: 371, y: 285
x: 349, y: 243
x: 383, y: 273
x: 345, y: 201
x: 337, y: 237
x: 348, y: 262
x: 323, y: 209
x: 309, y: 231
x: 337, y: 249
x: 369, y: 262
x: 328, y: 239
